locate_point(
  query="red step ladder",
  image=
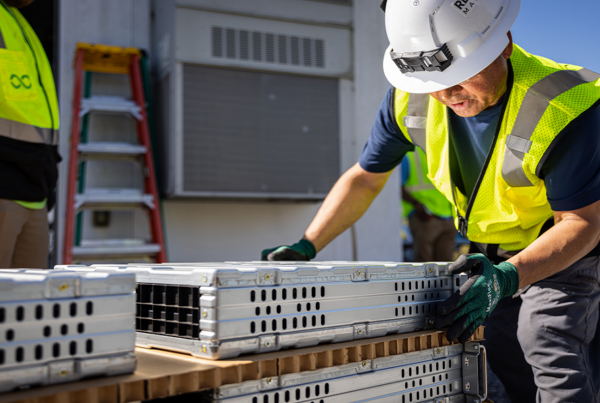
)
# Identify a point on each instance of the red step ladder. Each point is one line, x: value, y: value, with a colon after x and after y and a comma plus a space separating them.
x: 114, y: 60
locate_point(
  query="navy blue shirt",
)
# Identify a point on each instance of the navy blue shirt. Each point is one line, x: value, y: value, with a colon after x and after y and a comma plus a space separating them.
x: 571, y: 170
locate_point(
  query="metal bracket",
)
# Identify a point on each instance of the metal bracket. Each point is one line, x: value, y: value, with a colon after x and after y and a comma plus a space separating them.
x: 440, y: 352
x: 359, y: 274
x: 267, y: 277
x: 429, y: 321
x: 432, y: 271
x: 365, y: 365
x: 268, y: 343
x: 271, y: 382
x: 360, y: 331
x: 471, y: 370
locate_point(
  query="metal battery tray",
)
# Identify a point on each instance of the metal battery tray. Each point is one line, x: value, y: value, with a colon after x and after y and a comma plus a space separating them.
x: 449, y: 374
x: 63, y: 326
x: 223, y: 310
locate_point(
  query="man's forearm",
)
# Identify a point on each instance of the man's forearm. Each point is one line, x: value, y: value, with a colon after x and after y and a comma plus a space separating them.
x: 347, y: 201
x: 562, y: 245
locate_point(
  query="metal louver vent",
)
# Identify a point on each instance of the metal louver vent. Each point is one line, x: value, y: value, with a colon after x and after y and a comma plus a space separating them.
x: 267, y: 47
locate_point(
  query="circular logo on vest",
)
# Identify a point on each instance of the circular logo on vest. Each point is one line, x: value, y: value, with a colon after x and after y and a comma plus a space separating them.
x: 416, y: 3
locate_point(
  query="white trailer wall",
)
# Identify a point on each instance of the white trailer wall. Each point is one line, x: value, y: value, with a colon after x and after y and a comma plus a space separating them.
x: 205, y: 230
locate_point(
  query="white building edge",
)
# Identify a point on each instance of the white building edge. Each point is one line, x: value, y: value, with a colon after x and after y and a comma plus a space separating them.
x: 217, y: 229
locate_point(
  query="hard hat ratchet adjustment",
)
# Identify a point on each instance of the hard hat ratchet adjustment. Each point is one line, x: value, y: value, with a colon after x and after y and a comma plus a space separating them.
x: 433, y: 60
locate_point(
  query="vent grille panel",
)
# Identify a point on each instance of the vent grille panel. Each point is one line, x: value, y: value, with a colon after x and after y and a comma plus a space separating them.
x: 256, y: 132
x: 307, y: 52
x: 168, y: 309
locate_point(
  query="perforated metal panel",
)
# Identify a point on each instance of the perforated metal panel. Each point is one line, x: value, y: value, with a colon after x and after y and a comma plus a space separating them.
x: 252, y: 133
x: 453, y: 374
x: 63, y: 326
x: 222, y: 310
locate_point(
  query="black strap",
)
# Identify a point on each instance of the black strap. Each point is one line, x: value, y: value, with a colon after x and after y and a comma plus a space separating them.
x: 383, y: 4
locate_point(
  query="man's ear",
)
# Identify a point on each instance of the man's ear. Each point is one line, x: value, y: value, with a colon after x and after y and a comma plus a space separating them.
x: 508, y: 50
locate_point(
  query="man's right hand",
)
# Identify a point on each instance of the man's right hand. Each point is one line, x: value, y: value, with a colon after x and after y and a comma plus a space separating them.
x: 301, y: 251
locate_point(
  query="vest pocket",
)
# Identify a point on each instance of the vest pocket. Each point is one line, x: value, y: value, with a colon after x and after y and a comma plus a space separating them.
x: 17, y: 80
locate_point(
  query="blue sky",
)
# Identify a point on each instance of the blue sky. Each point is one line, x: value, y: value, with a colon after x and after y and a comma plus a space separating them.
x: 564, y: 31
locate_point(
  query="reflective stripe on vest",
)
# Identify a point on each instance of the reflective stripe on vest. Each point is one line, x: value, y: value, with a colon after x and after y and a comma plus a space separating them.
x: 421, y: 184
x: 416, y: 119
x: 532, y: 109
x: 29, y: 133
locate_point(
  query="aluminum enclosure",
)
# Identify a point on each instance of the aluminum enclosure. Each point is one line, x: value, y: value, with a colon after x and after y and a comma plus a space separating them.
x: 64, y: 326
x: 223, y: 310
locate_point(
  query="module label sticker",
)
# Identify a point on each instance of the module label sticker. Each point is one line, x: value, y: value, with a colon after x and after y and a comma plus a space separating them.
x: 464, y: 6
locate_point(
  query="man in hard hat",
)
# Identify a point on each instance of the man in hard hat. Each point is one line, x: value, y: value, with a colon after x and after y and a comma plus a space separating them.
x: 28, y: 141
x: 512, y: 141
x: 428, y: 212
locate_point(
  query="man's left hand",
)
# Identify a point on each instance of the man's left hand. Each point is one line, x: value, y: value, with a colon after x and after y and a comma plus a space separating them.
x: 466, y: 309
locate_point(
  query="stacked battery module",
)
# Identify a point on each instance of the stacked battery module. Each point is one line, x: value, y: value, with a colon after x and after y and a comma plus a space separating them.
x: 223, y: 310
x: 449, y: 374
x: 63, y: 326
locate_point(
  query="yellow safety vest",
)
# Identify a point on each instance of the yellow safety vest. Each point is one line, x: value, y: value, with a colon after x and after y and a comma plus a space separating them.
x: 28, y: 112
x: 509, y: 204
x: 421, y: 189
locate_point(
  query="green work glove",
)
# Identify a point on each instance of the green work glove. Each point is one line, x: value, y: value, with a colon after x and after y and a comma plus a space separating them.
x: 303, y: 250
x: 466, y: 309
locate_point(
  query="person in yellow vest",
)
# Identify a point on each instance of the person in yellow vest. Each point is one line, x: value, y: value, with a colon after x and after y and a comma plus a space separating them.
x: 512, y: 139
x: 428, y: 211
x: 28, y: 141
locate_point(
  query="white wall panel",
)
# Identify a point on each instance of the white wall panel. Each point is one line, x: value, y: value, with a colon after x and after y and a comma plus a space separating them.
x: 217, y: 231
x: 378, y: 236
x: 314, y: 12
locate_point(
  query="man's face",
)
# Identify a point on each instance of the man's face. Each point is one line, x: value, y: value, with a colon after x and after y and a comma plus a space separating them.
x: 479, y: 92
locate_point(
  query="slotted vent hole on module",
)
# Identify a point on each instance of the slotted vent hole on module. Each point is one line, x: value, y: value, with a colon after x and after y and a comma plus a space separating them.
x: 288, y: 294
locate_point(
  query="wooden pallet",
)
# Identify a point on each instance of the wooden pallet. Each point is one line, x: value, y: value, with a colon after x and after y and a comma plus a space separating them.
x: 163, y: 373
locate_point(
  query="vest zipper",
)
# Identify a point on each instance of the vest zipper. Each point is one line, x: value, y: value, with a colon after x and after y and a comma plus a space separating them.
x: 463, y: 222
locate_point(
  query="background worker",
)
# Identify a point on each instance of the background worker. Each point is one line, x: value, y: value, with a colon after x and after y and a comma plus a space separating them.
x: 28, y: 141
x: 429, y: 213
x: 513, y: 140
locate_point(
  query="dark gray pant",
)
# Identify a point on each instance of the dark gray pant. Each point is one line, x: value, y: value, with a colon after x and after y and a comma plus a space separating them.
x: 557, y: 330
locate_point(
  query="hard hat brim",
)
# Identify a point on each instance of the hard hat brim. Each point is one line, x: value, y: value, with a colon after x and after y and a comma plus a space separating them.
x: 462, y: 68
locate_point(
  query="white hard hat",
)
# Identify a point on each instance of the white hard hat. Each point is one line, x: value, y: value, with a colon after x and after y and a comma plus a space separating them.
x: 436, y: 44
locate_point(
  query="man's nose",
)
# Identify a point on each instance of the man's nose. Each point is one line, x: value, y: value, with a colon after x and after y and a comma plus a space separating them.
x: 448, y: 93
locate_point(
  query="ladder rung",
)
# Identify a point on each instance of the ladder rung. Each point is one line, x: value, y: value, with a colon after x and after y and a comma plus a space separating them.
x: 115, y: 250
x: 113, y: 199
x: 111, y: 149
x: 111, y: 104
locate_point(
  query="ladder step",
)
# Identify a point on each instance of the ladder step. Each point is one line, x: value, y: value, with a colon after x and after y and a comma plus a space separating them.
x: 113, y: 199
x: 110, y: 149
x: 109, y: 104
x: 115, y: 251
